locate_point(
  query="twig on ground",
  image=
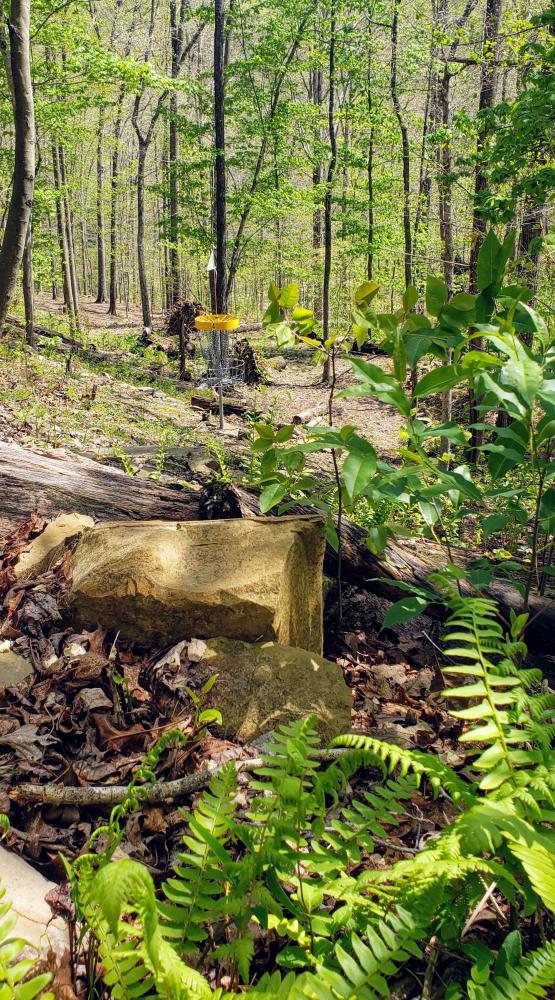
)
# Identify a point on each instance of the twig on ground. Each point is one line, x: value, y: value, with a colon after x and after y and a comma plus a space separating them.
x: 162, y: 791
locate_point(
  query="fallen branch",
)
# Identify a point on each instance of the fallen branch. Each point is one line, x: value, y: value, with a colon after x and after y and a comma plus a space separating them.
x: 211, y: 406
x: 305, y: 416
x: 162, y: 791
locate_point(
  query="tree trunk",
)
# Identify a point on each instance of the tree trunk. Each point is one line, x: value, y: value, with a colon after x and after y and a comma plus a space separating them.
x: 532, y: 228
x: 62, y: 240
x: 404, y: 143
x: 220, y: 201
x: 328, y: 195
x: 101, y: 262
x: 29, y: 287
x: 143, y: 282
x: 21, y: 198
x: 68, y: 215
x: 317, y: 231
x: 488, y: 81
x: 370, y: 171
x: 114, y: 179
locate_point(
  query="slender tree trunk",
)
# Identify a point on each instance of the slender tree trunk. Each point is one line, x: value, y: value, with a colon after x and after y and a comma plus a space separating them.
x: 317, y: 228
x: 143, y: 282
x: 100, y: 255
x: 328, y: 195
x: 62, y: 239
x: 21, y: 198
x: 488, y: 81
x: 404, y: 142
x: 220, y: 200
x: 532, y: 228
x: 370, y: 170
x: 29, y: 287
x: 68, y: 215
x: 487, y: 98
x: 176, y: 46
x: 114, y: 181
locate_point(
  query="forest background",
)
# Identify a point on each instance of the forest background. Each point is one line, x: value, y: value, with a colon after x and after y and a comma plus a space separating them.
x: 361, y: 139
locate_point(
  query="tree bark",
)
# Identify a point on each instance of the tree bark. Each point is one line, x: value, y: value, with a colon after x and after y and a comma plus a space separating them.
x: 316, y: 99
x: 29, y: 287
x: 328, y: 194
x: 370, y: 168
x: 488, y: 82
x: 52, y: 483
x: 141, y: 261
x: 21, y: 198
x: 62, y: 240
x: 404, y: 143
x: 220, y: 198
x: 100, y: 254
x: 70, y: 237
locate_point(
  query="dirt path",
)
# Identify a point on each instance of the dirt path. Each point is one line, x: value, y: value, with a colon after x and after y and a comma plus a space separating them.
x: 98, y: 409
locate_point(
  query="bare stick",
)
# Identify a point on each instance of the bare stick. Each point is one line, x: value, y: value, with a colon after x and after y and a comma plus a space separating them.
x: 162, y: 791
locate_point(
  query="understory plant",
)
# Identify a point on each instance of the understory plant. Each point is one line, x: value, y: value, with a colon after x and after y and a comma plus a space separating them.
x: 478, y: 340
x: 287, y: 884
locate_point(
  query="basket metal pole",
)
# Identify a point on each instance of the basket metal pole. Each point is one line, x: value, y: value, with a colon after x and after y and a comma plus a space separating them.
x: 221, y: 385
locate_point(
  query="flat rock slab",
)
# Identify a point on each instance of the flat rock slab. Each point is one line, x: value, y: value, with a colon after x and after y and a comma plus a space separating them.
x: 260, y: 686
x: 27, y: 889
x: 158, y: 581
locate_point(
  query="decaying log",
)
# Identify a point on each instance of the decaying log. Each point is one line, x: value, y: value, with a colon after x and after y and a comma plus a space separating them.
x: 211, y: 406
x: 406, y: 560
x: 54, y: 482
x: 305, y: 416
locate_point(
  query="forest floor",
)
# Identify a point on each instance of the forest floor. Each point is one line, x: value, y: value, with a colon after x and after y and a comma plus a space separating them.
x: 116, y: 404
x: 49, y: 728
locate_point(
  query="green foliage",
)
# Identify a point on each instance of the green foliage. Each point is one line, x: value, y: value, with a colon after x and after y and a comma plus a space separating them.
x: 17, y: 981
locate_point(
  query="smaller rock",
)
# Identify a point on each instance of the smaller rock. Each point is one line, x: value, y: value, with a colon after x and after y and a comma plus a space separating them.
x: 260, y: 686
x: 279, y: 363
x: 26, y: 889
x: 13, y: 668
x: 47, y: 547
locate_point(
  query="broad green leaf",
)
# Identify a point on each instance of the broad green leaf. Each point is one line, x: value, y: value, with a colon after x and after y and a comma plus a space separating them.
x: 436, y: 295
x: 404, y: 611
x: 410, y: 298
x: 487, y: 269
x: 271, y: 496
x: 358, y: 469
x: 377, y: 383
x: 289, y: 295
x: 438, y: 380
x: 366, y: 292
x: 493, y: 523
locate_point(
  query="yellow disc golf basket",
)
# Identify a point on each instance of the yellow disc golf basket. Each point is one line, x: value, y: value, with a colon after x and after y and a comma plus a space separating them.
x: 217, y: 340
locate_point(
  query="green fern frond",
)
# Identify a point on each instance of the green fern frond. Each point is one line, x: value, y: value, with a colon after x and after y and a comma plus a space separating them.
x: 422, y: 765
x: 531, y: 978
x: 141, y: 962
x: 199, y: 876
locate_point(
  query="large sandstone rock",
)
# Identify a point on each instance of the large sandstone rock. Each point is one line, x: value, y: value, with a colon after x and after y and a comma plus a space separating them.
x: 262, y: 685
x: 47, y: 547
x: 164, y: 581
x: 26, y: 889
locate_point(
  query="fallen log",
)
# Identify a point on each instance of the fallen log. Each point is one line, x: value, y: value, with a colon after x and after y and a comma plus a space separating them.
x: 55, y: 481
x: 407, y: 560
x: 305, y: 416
x: 211, y: 406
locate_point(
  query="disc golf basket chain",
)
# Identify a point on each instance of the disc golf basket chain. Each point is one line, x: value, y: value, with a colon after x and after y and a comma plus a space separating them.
x: 217, y: 338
